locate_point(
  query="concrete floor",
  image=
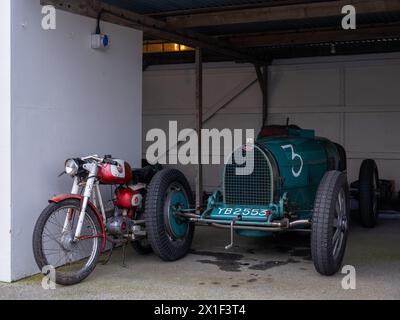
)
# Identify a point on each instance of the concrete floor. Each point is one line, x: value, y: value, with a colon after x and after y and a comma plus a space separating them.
x: 277, y: 268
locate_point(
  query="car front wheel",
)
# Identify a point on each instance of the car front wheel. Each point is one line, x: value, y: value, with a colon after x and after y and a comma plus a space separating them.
x: 330, y: 223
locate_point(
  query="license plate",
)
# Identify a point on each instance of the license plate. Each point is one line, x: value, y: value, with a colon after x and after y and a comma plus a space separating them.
x: 245, y: 212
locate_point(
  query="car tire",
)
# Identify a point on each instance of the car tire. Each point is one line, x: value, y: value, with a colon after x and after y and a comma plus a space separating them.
x: 169, y: 236
x: 330, y: 223
x: 368, y: 193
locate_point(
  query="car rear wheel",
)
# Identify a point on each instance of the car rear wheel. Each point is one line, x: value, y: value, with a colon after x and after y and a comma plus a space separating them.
x: 169, y: 235
x: 330, y: 223
x: 368, y: 193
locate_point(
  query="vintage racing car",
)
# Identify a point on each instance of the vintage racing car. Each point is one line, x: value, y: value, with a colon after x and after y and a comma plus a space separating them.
x: 298, y: 183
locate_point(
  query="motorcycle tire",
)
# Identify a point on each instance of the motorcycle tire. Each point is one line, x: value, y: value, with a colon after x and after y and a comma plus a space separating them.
x: 68, y: 276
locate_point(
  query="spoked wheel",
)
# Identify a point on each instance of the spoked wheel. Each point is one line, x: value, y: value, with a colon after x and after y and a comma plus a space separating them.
x: 330, y: 223
x: 340, y: 224
x: 169, y: 235
x: 369, y: 193
x: 54, y: 244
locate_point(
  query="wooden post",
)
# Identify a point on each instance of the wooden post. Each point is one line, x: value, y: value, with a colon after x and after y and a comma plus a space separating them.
x: 265, y: 95
x: 262, y: 76
x: 199, y: 125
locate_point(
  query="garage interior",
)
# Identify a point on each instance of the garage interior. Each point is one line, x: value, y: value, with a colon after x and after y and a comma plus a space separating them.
x: 243, y: 64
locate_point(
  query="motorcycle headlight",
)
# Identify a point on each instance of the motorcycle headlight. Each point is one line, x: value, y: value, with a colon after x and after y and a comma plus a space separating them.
x: 71, y: 167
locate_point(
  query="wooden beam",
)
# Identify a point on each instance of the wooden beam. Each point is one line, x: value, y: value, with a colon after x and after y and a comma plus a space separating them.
x: 157, y: 28
x: 317, y: 36
x: 266, y: 96
x: 281, y: 13
x: 199, y: 126
x: 164, y: 14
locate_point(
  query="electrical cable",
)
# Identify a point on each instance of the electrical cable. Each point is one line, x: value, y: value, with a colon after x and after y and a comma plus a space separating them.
x: 100, y: 14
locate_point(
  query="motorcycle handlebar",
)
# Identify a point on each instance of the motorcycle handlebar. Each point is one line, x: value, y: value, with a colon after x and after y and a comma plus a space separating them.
x: 110, y: 161
x: 93, y: 157
x: 107, y: 159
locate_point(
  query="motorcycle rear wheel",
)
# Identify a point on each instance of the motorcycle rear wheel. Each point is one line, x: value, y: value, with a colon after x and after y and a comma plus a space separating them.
x: 72, y: 261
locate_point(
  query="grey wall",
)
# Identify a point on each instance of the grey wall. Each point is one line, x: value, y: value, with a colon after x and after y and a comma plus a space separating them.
x: 352, y: 100
x: 5, y: 140
x: 67, y: 100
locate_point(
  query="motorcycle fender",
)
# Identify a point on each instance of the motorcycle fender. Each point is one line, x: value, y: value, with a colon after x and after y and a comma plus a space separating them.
x: 99, y: 217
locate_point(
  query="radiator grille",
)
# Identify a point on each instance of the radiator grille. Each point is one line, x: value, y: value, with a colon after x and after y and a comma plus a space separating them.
x: 252, y: 189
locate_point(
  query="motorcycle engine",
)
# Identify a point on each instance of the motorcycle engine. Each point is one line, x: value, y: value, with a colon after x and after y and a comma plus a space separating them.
x: 119, y: 226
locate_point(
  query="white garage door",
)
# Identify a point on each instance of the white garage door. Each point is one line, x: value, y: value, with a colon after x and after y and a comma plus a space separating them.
x: 352, y: 100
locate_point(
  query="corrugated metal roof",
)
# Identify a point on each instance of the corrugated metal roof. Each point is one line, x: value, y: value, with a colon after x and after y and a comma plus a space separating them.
x: 159, y: 6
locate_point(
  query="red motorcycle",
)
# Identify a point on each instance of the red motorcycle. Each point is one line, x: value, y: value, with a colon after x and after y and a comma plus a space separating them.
x: 75, y: 228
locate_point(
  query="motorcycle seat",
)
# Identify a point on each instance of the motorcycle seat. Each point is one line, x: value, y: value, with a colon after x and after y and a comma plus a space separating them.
x: 144, y: 175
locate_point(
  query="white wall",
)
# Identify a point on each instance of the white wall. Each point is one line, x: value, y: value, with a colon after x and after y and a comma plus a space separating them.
x: 68, y: 100
x: 353, y: 100
x: 5, y: 140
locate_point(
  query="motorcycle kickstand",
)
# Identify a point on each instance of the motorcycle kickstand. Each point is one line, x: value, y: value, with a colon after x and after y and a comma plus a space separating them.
x: 107, y: 260
x: 124, y: 254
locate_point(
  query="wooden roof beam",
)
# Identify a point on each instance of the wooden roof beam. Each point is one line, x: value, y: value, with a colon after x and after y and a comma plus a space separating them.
x: 316, y: 36
x: 281, y: 13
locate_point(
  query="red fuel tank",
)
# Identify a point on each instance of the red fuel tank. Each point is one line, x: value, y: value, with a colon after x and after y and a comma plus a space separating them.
x: 118, y: 173
x: 127, y: 198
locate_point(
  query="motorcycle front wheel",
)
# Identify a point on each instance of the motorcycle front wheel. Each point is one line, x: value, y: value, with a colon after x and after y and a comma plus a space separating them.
x: 55, y: 248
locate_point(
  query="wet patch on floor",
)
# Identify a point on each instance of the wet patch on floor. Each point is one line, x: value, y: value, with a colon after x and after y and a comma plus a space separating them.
x: 271, y: 264
x: 219, y: 255
x: 301, y: 252
x: 223, y: 260
x: 231, y: 262
x: 224, y: 265
x: 304, y: 253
